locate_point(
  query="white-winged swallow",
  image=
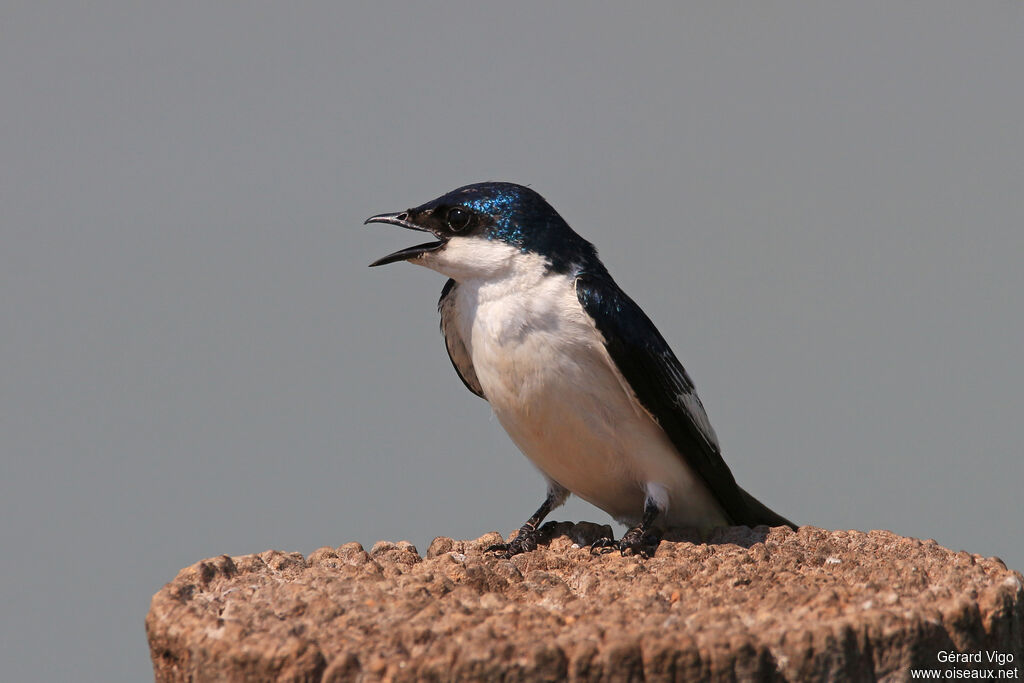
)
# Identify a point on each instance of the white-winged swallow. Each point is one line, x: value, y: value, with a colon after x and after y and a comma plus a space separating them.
x: 575, y: 372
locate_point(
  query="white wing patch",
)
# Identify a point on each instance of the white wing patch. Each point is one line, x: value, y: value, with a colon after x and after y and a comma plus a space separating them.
x: 690, y: 402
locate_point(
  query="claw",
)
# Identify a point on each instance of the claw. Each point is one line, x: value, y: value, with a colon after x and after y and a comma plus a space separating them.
x: 639, y: 543
x: 501, y: 548
x: 524, y: 542
x: 603, y: 545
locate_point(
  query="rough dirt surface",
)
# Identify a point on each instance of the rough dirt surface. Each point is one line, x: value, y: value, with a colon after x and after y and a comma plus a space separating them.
x: 762, y: 604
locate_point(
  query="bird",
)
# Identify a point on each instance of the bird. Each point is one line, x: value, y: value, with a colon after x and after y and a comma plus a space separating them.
x: 574, y: 370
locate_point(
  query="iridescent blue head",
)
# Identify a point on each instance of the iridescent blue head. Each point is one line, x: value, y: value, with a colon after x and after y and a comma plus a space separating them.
x: 508, y: 216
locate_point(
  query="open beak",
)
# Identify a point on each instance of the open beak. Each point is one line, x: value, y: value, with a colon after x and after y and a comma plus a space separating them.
x: 401, y: 219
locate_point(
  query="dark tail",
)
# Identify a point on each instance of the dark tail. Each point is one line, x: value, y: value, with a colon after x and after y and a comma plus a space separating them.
x: 759, y: 513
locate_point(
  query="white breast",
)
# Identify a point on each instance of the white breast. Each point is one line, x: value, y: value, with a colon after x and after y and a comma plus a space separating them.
x: 543, y: 367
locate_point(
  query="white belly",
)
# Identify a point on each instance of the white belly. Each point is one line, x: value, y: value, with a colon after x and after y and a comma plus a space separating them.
x: 555, y: 390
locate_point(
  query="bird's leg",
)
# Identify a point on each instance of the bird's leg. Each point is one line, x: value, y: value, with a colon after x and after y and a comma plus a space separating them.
x: 528, y: 535
x: 639, y: 540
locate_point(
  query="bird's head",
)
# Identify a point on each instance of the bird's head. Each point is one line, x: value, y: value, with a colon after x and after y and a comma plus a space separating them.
x: 484, y: 229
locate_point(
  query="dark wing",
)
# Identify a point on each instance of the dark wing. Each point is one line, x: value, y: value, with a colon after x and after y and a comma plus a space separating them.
x: 457, y: 352
x: 662, y: 386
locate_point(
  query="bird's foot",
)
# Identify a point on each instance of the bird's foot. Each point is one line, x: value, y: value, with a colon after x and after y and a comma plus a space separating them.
x: 603, y: 545
x: 525, y: 541
x: 636, y: 541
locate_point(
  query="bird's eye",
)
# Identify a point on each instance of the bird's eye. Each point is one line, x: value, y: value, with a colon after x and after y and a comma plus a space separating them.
x: 458, y: 219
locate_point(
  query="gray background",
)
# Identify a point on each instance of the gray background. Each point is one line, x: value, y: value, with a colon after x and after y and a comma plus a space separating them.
x: 820, y: 205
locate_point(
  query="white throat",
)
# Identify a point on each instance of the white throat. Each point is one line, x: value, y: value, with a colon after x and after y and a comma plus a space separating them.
x: 478, y: 258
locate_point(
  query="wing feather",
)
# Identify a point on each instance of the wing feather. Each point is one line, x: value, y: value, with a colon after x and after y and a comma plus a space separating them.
x: 661, y: 385
x: 457, y: 352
